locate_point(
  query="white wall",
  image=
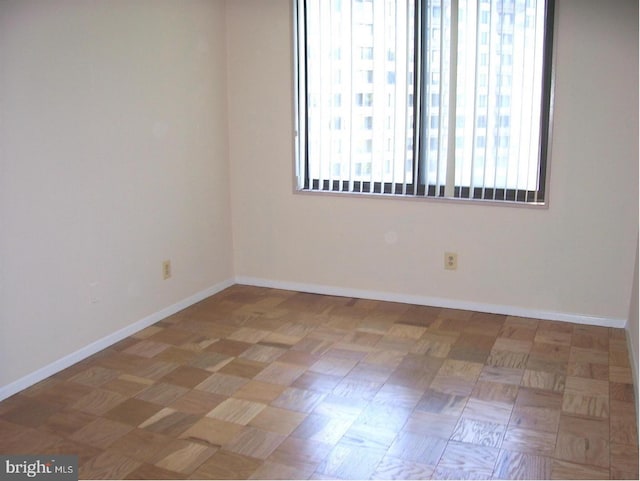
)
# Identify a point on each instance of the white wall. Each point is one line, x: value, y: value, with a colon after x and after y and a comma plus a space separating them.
x: 114, y: 157
x: 576, y: 257
x: 120, y: 122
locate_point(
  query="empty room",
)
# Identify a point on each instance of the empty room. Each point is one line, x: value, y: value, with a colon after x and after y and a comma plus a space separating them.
x: 319, y: 239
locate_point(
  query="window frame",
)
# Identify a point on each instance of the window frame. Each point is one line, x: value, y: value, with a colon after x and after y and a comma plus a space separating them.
x: 418, y: 189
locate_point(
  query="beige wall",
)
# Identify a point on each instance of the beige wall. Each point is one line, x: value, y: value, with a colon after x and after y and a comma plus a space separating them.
x: 576, y: 257
x: 114, y: 158
x: 121, y: 123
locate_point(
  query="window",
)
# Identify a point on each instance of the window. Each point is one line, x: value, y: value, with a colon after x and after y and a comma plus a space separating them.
x: 461, y: 97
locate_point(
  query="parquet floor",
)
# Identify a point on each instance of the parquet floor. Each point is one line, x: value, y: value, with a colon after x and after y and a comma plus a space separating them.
x: 271, y: 384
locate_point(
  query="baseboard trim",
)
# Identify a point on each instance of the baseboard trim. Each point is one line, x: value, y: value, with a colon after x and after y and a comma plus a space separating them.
x: 97, y: 346
x: 433, y: 301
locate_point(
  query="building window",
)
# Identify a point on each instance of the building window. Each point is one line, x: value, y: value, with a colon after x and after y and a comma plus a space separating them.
x: 452, y: 75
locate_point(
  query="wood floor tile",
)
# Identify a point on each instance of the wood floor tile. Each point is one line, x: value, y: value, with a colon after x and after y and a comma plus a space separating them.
x: 407, y: 331
x: 66, y: 422
x: 620, y: 374
x: 141, y: 445
x: 368, y: 436
x: 419, y: 379
x: 306, y: 453
x: 344, y: 408
x: 481, y: 433
x: 550, y: 381
x: 314, y: 381
x: 301, y: 400
x: 95, y: 376
x: 621, y: 392
x: 210, y: 361
x: 262, y: 353
x: 434, y: 345
x: 258, y: 391
x: 399, y: 396
x: 350, y: 462
x: 495, y: 391
x: 417, y: 447
x: 98, y: 401
x: 512, y: 345
x: 478, y: 461
x: 162, y: 393
x: 247, y: 334
x: 280, y: 421
x: 384, y: 417
x: 434, y: 401
x: 519, y: 332
x: 624, y: 461
x: 323, y: 429
x: 238, y: 411
x: 169, y: 421
x: 61, y: 394
x: 172, y: 336
x: 549, y: 336
x: 583, y: 441
x: 243, y: 368
x: 396, y: 468
x: 298, y: 358
x: 431, y: 424
x: 186, y: 376
x: 509, y: 359
x: 550, y: 351
x: 224, y: 384
x: 566, y: 470
x: 333, y: 366
x: 132, y: 411
x: 197, y: 402
x: 101, y: 433
x: 107, y: 465
x: 149, y: 471
x: 515, y: 465
x: 254, y: 442
x: 623, y: 428
x: 488, y: 411
x: 183, y: 457
x: 529, y: 441
x: 537, y: 410
x: 280, y: 373
x: 66, y: 446
x: 151, y: 368
x: 146, y: 348
x: 127, y: 385
x: 211, y: 432
x: 24, y: 440
x: 227, y: 465
x: 30, y: 412
x: 270, y: 470
x: 365, y: 371
x: 587, y: 397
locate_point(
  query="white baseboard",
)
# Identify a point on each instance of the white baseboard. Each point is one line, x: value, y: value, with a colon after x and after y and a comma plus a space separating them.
x: 100, y: 344
x: 434, y: 302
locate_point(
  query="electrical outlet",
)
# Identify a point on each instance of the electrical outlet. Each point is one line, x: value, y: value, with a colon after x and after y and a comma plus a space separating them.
x: 166, y: 270
x: 450, y: 261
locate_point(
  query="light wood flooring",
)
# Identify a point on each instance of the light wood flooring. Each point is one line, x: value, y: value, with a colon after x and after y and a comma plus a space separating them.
x: 271, y: 384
